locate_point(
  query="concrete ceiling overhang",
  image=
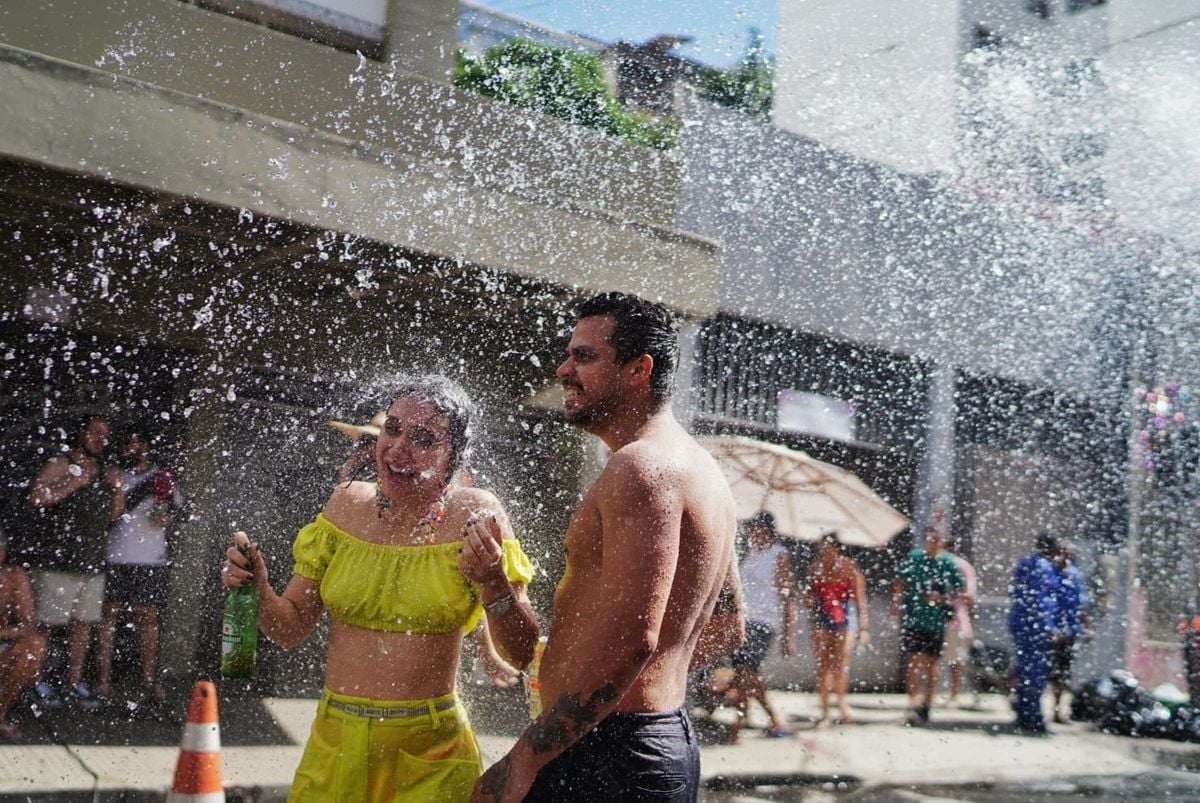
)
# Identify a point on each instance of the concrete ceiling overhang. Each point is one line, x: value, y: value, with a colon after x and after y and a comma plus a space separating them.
x: 74, y: 118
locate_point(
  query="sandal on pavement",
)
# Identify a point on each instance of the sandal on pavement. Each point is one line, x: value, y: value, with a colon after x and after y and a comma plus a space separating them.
x: 777, y: 733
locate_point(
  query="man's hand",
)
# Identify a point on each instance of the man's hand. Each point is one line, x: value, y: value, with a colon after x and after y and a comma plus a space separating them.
x: 502, y: 784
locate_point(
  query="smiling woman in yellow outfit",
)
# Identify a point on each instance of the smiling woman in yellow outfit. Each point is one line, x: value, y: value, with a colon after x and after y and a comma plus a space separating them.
x: 405, y: 567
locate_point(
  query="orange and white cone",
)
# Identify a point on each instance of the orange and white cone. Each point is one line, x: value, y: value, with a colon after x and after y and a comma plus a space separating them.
x: 198, y: 770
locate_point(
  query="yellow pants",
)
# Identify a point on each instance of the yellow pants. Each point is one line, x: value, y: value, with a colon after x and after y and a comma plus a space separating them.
x: 351, y: 758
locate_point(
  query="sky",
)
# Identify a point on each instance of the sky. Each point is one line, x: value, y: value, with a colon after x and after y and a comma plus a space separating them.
x: 720, y: 27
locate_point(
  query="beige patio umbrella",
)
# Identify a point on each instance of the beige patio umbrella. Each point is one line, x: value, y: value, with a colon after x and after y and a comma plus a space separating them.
x: 807, y: 496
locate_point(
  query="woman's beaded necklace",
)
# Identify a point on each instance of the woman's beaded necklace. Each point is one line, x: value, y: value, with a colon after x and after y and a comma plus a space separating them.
x: 427, y: 527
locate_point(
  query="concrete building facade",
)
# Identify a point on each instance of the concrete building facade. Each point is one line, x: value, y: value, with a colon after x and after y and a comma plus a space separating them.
x: 225, y: 228
x: 1058, y: 132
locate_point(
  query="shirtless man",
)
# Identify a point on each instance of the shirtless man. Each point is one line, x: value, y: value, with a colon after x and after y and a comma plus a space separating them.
x: 647, y: 553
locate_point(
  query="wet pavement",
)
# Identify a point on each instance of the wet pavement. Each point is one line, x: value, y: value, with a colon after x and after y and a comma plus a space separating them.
x: 964, y: 754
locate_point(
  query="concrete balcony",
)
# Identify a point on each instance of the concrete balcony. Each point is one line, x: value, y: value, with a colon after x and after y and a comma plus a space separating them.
x: 168, y: 97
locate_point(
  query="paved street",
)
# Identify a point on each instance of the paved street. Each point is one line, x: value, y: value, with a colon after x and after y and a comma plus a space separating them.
x: 965, y: 754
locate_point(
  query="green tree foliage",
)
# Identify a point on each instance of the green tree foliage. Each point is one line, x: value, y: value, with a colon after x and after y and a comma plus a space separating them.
x: 748, y: 86
x: 562, y: 83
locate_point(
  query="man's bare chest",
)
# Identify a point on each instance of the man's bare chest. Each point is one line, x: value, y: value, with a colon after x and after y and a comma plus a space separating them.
x: 584, y: 542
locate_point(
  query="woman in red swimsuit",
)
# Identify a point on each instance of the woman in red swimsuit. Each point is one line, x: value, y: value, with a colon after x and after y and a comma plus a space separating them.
x: 833, y: 581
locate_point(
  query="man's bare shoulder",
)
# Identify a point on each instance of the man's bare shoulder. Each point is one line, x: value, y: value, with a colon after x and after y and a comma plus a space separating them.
x: 641, y: 462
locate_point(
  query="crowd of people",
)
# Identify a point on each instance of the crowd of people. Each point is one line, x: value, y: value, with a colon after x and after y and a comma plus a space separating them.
x: 93, y: 556
x: 408, y: 561
x: 933, y: 599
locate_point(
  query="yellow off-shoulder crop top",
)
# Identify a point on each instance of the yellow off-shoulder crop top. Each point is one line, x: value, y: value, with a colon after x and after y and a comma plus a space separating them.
x: 395, y: 588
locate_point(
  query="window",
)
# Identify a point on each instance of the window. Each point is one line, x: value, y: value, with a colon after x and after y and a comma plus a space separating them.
x: 352, y: 25
x: 814, y: 414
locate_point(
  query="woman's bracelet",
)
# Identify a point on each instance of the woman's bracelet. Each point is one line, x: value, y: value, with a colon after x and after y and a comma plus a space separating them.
x: 500, y: 604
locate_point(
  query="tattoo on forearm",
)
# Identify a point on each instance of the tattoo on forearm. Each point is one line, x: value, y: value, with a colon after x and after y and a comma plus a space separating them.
x: 496, y: 778
x: 568, y: 719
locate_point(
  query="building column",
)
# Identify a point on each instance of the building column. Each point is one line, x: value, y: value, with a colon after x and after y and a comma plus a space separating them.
x: 181, y: 641
x: 935, y: 477
x: 422, y: 36
x: 685, y: 393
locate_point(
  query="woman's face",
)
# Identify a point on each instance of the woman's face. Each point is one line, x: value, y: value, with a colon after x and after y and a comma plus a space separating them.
x: 413, y: 452
x: 95, y: 437
x: 135, y: 448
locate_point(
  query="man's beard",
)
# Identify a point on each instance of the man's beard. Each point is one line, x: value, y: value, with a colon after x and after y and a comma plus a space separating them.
x: 592, y: 416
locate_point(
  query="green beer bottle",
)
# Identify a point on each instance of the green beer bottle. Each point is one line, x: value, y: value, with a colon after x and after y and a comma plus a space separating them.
x: 239, y: 631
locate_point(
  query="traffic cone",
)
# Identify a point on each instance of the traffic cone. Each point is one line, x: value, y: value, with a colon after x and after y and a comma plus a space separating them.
x: 198, y: 771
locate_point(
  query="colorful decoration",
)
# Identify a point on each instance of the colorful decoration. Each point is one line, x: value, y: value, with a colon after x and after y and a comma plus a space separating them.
x: 1163, y: 415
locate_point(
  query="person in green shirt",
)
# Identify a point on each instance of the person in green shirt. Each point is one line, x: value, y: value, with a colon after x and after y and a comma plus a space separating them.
x: 922, y: 596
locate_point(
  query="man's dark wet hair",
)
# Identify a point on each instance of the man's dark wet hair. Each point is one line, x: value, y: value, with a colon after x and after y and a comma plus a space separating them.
x: 1045, y: 544
x: 451, y: 402
x: 640, y: 327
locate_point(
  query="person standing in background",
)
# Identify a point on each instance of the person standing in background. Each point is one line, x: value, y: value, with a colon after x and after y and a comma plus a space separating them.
x: 138, y: 562
x: 79, y: 497
x: 1032, y: 620
x: 769, y: 603
x: 923, y: 595
x: 834, y: 584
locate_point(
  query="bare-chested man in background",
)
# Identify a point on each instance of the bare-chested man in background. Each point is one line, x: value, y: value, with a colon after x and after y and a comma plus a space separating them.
x: 647, y: 553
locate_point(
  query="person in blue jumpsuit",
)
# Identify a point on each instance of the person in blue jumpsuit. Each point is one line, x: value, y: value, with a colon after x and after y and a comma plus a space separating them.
x: 1033, y: 620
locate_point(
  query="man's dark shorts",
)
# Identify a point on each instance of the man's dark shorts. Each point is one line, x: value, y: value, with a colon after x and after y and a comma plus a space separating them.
x: 759, y: 638
x: 925, y: 642
x: 627, y: 757
x: 137, y: 584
